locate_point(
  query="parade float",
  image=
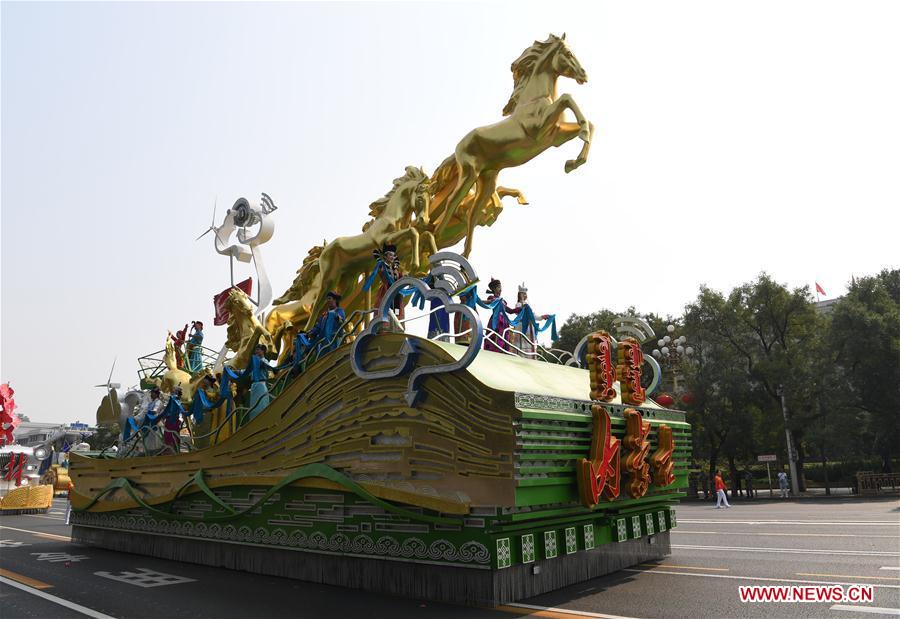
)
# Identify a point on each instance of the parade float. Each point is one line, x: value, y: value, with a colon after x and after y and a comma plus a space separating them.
x: 470, y: 464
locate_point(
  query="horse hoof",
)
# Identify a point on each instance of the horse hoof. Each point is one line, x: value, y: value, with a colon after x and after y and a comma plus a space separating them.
x: 572, y: 164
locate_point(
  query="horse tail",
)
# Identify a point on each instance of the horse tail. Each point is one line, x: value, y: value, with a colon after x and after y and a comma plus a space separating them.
x: 443, y: 182
x: 305, y: 276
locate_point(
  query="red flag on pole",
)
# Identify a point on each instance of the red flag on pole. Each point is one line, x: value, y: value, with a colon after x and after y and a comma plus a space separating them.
x: 821, y: 290
x: 219, y: 301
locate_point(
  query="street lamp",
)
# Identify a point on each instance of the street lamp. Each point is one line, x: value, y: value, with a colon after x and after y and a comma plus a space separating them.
x: 792, y: 455
x: 671, y: 352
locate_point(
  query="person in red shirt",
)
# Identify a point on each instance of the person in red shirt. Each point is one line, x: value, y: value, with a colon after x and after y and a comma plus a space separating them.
x: 720, y: 491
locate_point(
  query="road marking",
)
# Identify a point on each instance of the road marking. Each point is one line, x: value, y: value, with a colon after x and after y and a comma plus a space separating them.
x: 31, y: 582
x: 11, y: 543
x: 84, y: 610
x: 58, y: 557
x: 870, y: 523
x: 678, y: 531
x: 550, y: 612
x: 846, y: 576
x: 866, y: 609
x: 804, y: 551
x: 687, y: 567
x: 889, y: 568
x: 146, y: 578
x: 39, y: 534
x: 759, y: 578
x: 45, y: 517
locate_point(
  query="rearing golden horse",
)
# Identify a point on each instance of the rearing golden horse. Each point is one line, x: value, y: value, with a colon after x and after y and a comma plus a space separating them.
x: 535, y: 123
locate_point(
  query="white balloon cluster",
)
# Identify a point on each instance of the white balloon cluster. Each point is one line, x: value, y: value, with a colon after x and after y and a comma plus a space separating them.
x: 669, y: 347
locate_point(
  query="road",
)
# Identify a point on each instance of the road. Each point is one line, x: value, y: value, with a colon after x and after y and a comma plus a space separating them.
x: 845, y: 541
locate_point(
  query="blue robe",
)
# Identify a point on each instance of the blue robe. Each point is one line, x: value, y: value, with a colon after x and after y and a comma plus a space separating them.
x: 195, y: 356
x: 324, y: 333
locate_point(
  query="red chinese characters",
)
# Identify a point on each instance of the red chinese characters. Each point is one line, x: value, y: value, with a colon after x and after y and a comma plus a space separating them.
x: 636, y: 432
x: 631, y: 358
x: 661, y: 462
x: 599, y: 475
x: 601, y: 367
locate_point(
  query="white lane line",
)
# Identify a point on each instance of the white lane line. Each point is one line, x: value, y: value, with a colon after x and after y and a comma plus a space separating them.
x: 39, y: 533
x: 759, y: 578
x: 803, y: 551
x: 567, y: 611
x: 888, y: 567
x: 84, y: 610
x: 869, y: 523
x: 866, y: 609
x: 680, y: 531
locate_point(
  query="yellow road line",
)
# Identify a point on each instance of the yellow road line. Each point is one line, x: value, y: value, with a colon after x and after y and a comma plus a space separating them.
x: 31, y: 582
x: 846, y: 576
x: 39, y: 533
x: 687, y: 567
x: 552, y: 613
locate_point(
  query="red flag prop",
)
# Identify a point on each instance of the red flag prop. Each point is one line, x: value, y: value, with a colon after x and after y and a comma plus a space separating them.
x: 15, y: 467
x: 820, y: 290
x: 220, y: 299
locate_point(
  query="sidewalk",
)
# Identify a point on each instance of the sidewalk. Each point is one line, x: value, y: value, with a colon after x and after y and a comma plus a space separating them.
x: 810, y: 494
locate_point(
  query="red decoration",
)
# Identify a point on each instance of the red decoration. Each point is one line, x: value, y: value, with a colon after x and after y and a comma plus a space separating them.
x: 687, y: 398
x: 220, y: 299
x: 15, y: 467
x: 8, y: 418
x: 664, y: 399
x: 599, y: 475
x: 631, y: 358
x: 601, y: 367
x: 661, y: 461
x: 638, y: 447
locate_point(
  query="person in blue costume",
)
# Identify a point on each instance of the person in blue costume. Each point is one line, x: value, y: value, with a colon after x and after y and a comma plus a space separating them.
x: 524, y: 338
x: 438, y: 319
x: 194, y: 350
x: 387, y: 270
x: 325, y: 334
x: 258, y: 369
x: 171, y: 416
x: 499, y: 320
x: 302, y: 346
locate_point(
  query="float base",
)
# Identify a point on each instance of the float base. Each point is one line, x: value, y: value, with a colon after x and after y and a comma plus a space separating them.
x: 457, y: 585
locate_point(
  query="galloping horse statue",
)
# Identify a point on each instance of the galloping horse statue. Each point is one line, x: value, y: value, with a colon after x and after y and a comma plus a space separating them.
x: 534, y: 123
x: 344, y: 260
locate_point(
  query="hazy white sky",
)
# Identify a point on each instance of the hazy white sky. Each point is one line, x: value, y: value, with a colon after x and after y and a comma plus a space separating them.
x: 731, y: 138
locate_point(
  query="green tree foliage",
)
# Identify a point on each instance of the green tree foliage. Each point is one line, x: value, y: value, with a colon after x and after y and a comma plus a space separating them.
x: 839, y: 373
x: 865, y: 330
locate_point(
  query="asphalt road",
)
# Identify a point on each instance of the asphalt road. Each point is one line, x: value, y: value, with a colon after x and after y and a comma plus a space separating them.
x: 843, y: 541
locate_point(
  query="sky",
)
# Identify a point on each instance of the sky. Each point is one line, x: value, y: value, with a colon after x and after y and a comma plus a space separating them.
x: 731, y: 138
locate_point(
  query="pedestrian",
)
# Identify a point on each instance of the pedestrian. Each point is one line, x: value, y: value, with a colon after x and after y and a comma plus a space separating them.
x: 720, y: 491
x: 748, y: 481
x: 783, y: 484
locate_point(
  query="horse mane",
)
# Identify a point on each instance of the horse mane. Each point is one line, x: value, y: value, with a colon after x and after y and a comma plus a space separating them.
x: 521, y: 69
x: 377, y: 207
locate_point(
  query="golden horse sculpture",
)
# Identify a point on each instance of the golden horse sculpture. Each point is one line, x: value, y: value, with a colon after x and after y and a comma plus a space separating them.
x: 175, y: 377
x: 421, y: 215
x: 344, y: 263
x: 534, y: 123
x: 245, y: 331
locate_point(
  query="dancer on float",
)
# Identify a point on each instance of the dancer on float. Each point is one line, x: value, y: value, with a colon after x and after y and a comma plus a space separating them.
x: 524, y: 336
x: 323, y: 334
x: 499, y: 321
x: 387, y: 270
x: 194, y: 349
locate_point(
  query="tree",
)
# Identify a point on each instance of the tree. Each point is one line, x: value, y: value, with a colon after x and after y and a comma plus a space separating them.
x: 865, y: 329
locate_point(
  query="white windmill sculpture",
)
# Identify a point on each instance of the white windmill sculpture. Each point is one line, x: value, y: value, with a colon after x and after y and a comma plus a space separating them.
x: 251, y: 225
